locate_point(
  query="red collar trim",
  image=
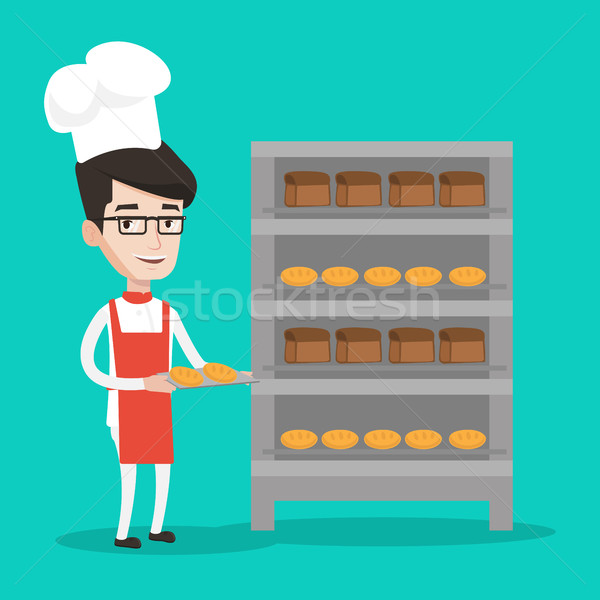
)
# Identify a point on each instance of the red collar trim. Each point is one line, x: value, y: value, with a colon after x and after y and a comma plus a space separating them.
x: 137, y: 297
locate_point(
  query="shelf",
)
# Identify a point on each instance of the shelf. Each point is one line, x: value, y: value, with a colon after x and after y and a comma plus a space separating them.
x: 383, y: 468
x: 339, y: 368
x: 381, y: 149
x: 319, y: 291
x: 372, y: 453
x: 363, y: 310
x: 384, y: 211
x: 385, y: 371
x: 382, y: 387
x: 312, y: 227
x: 320, y: 285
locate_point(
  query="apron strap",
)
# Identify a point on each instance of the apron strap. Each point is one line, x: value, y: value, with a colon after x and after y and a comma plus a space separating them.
x: 166, y: 318
x: 114, y: 318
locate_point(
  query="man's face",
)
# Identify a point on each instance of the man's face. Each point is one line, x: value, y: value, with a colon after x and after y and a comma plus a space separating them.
x: 141, y: 257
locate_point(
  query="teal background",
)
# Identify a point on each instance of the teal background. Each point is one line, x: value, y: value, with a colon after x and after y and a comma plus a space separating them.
x: 297, y: 71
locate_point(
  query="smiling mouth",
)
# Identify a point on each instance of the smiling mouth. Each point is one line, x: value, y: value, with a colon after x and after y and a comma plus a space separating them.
x: 152, y: 260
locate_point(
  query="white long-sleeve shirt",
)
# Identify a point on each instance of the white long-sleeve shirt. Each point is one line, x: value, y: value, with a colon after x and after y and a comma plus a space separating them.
x: 133, y: 318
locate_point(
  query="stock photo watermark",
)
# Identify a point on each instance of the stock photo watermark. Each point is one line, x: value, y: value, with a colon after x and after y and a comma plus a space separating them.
x: 309, y: 303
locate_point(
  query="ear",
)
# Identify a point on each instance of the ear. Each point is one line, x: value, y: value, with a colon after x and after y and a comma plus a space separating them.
x: 91, y: 233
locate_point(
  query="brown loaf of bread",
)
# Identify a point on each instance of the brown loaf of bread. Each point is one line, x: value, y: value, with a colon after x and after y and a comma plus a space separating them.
x: 462, y: 188
x: 462, y: 345
x: 358, y: 345
x: 411, y: 188
x: 306, y: 345
x: 358, y: 188
x: 307, y: 188
x: 411, y: 345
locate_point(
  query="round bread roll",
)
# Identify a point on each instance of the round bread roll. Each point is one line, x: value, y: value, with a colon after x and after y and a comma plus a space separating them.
x: 382, y: 439
x: 467, y: 276
x: 423, y: 276
x: 299, y: 439
x: 219, y: 373
x: 186, y: 376
x: 339, y: 439
x: 467, y: 439
x: 382, y: 276
x: 339, y: 276
x: 298, y: 276
x: 423, y: 439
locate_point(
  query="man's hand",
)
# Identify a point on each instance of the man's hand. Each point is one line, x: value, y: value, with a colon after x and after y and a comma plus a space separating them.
x: 158, y: 383
x: 249, y: 373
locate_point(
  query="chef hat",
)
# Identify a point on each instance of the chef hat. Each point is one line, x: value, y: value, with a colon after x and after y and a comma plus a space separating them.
x: 108, y: 103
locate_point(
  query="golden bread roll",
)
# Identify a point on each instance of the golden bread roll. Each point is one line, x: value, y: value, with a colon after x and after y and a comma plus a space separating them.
x: 339, y: 439
x: 298, y: 276
x: 339, y: 276
x: 299, y: 439
x: 467, y: 439
x: 467, y: 276
x: 382, y: 276
x: 186, y: 376
x: 423, y: 276
x: 382, y: 439
x: 219, y: 373
x: 423, y: 439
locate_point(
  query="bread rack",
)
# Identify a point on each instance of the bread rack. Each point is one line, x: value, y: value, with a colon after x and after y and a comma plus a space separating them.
x: 380, y: 395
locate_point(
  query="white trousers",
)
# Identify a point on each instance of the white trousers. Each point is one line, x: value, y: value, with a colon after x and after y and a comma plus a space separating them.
x: 128, y: 474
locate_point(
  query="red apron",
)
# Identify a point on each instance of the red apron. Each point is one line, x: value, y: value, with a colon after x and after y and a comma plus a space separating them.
x: 145, y: 425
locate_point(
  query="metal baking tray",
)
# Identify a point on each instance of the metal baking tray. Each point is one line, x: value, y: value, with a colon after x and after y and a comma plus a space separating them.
x: 241, y: 378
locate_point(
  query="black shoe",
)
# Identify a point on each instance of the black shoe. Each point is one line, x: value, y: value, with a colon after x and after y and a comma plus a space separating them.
x: 130, y: 542
x: 163, y: 536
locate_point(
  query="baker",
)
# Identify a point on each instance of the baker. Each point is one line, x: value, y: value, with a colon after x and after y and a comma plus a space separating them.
x: 134, y: 190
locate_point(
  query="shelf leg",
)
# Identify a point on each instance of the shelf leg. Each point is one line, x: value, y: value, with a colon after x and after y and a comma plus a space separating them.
x: 501, y: 512
x: 262, y: 513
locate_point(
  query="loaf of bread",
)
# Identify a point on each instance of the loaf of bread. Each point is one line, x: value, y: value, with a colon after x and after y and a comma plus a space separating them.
x: 306, y: 345
x: 307, y: 188
x: 411, y: 188
x: 358, y: 188
x: 411, y: 345
x: 462, y: 188
x: 358, y: 345
x: 462, y: 345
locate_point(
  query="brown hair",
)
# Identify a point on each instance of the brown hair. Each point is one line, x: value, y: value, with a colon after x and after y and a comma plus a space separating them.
x: 160, y: 172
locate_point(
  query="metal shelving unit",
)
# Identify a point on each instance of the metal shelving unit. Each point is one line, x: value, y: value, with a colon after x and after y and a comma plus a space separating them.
x: 381, y: 395
x: 381, y: 226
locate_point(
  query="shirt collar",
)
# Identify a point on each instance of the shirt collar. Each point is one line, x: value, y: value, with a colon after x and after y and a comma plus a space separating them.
x: 137, y: 297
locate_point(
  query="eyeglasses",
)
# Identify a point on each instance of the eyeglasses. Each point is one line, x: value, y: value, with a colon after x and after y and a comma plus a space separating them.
x: 138, y: 225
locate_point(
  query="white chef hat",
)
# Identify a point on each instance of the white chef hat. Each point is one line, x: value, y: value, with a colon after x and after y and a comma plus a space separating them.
x: 108, y: 103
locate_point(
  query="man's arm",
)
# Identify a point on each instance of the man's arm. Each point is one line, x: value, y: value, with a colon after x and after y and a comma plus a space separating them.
x: 156, y: 383
x: 183, y: 339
